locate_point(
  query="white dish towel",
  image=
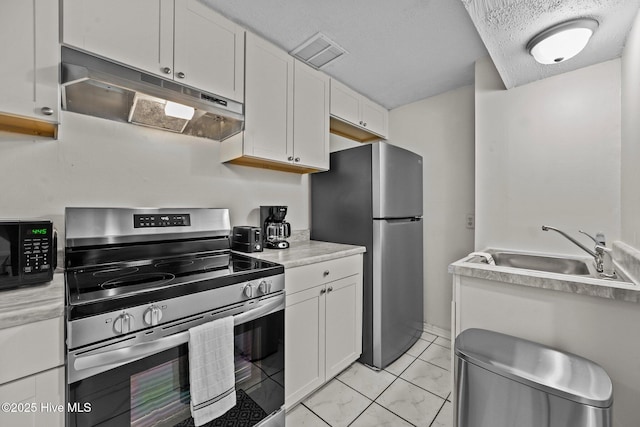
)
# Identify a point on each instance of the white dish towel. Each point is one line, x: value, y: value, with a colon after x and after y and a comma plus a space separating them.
x: 211, y: 370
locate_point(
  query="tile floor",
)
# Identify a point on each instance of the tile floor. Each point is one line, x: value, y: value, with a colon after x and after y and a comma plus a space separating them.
x: 413, y: 391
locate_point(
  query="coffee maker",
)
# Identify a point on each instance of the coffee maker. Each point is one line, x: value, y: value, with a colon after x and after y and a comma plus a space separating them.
x: 274, y: 228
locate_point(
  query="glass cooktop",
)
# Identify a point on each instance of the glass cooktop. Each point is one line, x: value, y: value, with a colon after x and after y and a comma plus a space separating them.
x: 197, y: 271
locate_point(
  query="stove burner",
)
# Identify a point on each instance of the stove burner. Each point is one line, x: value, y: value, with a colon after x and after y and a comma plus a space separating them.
x: 138, y: 279
x: 118, y: 271
x: 181, y: 263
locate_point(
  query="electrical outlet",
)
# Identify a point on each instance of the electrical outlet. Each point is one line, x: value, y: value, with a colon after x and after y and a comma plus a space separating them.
x: 471, y: 221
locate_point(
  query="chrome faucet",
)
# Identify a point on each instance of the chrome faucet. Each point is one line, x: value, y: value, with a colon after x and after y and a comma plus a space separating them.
x: 601, y: 254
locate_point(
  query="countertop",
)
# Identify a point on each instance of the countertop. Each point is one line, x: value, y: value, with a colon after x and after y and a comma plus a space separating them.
x: 46, y: 301
x: 601, y: 288
x: 32, y: 304
x: 308, y: 252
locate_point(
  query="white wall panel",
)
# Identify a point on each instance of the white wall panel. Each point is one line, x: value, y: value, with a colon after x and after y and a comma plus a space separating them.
x: 631, y: 137
x: 547, y: 153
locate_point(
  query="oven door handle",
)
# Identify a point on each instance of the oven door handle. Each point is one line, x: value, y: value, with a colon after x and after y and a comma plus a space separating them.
x: 138, y: 351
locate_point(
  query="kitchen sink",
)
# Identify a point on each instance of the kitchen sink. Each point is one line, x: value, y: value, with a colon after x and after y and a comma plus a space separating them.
x: 542, y: 263
x: 549, y: 263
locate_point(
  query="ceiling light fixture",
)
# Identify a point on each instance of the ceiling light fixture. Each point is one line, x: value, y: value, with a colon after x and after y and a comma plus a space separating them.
x: 562, y: 41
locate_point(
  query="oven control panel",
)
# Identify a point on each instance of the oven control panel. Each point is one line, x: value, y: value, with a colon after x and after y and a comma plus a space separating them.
x: 161, y: 220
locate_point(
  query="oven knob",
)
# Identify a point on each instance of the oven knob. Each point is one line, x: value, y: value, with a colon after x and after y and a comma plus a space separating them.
x: 248, y: 291
x: 152, y: 316
x: 123, y: 323
x: 265, y: 287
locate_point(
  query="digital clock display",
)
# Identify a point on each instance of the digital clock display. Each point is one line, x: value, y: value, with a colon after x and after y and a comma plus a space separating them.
x: 37, y: 232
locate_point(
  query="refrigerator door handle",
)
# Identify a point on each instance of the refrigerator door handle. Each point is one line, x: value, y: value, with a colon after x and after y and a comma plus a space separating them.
x: 397, y: 220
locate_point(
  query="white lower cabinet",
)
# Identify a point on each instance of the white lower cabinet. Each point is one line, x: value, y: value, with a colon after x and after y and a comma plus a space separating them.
x: 34, y: 401
x: 323, y: 323
x: 32, y: 376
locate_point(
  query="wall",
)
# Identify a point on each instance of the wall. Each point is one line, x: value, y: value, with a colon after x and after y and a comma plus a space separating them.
x: 98, y: 162
x: 441, y: 130
x: 547, y: 153
x: 631, y: 137
x: 592, y: 327
x: 338, y: 143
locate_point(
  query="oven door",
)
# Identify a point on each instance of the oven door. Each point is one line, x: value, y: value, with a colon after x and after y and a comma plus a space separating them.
x: 141, y: 382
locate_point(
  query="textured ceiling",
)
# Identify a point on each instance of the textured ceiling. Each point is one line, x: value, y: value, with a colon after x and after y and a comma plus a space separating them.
x: 400, y: 51
x: 507, y: 25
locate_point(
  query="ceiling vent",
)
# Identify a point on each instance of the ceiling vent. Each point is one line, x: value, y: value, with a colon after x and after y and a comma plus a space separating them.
x: 318, y: 51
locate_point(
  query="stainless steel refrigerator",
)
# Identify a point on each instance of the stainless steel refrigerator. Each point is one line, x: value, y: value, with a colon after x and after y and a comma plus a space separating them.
x: 372, y: 196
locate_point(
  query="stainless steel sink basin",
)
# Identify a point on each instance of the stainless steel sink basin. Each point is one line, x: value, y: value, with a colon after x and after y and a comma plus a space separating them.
x: 542, y: 263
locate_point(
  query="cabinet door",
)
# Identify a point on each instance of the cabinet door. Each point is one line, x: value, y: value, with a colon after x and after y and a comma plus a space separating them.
x: 269, y: 97
x: 345, y: 103
x: 374, y: 117
x: 304, y: 349
x: 136, y: 33
x: 209, y: 50
x: 31, y: 348
x: 311, y: 117
x: 30, y: 54
x: 344, y: 323
x: 45, y: 388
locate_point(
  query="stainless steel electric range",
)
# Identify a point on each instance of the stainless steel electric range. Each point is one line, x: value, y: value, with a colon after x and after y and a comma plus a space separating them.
x: 136, y: 281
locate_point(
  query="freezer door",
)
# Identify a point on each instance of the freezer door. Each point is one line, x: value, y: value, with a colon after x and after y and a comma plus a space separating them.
x: 396, y: 181
x: 397, y: 288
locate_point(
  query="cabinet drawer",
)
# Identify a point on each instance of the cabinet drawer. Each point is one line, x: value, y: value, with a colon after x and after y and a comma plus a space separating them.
x: 307, y: 276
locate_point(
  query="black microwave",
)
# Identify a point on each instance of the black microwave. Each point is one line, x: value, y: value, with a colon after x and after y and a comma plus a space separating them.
x: 27, y: 253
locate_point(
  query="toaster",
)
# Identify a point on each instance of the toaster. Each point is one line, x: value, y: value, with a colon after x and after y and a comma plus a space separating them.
x: 245, y: 238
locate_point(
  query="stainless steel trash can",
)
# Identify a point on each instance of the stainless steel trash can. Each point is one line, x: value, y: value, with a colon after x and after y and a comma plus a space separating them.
x: 505, y: 381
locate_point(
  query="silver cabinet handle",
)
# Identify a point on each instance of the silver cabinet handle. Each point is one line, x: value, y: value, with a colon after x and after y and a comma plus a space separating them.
x: 330, y: 289
x: 360, y: 121
x: 166, y: 70
x: 322, y: 291
x: 47, y: 111
x: 297, y: 159
x: 365, y: 124
x: 325, y: 273
x: 181, y: 75
x: 290, y: 158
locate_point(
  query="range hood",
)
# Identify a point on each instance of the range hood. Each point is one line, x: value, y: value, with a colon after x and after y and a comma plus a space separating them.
x: 101, y: 88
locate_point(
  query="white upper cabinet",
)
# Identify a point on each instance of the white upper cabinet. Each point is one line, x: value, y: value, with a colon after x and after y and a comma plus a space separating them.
x: 357, y: 110
x: 286, y: 113
x: 30, y: 57
x: 345, y: 103
x: 375, y: 118
x: 310, y: 117
x: 209, y: 50
x: 269, y: 96
x: 136, y: 33
x: 182, y: 40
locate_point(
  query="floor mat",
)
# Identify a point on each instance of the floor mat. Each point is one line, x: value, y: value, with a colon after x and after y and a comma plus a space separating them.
x: 246, y: 413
